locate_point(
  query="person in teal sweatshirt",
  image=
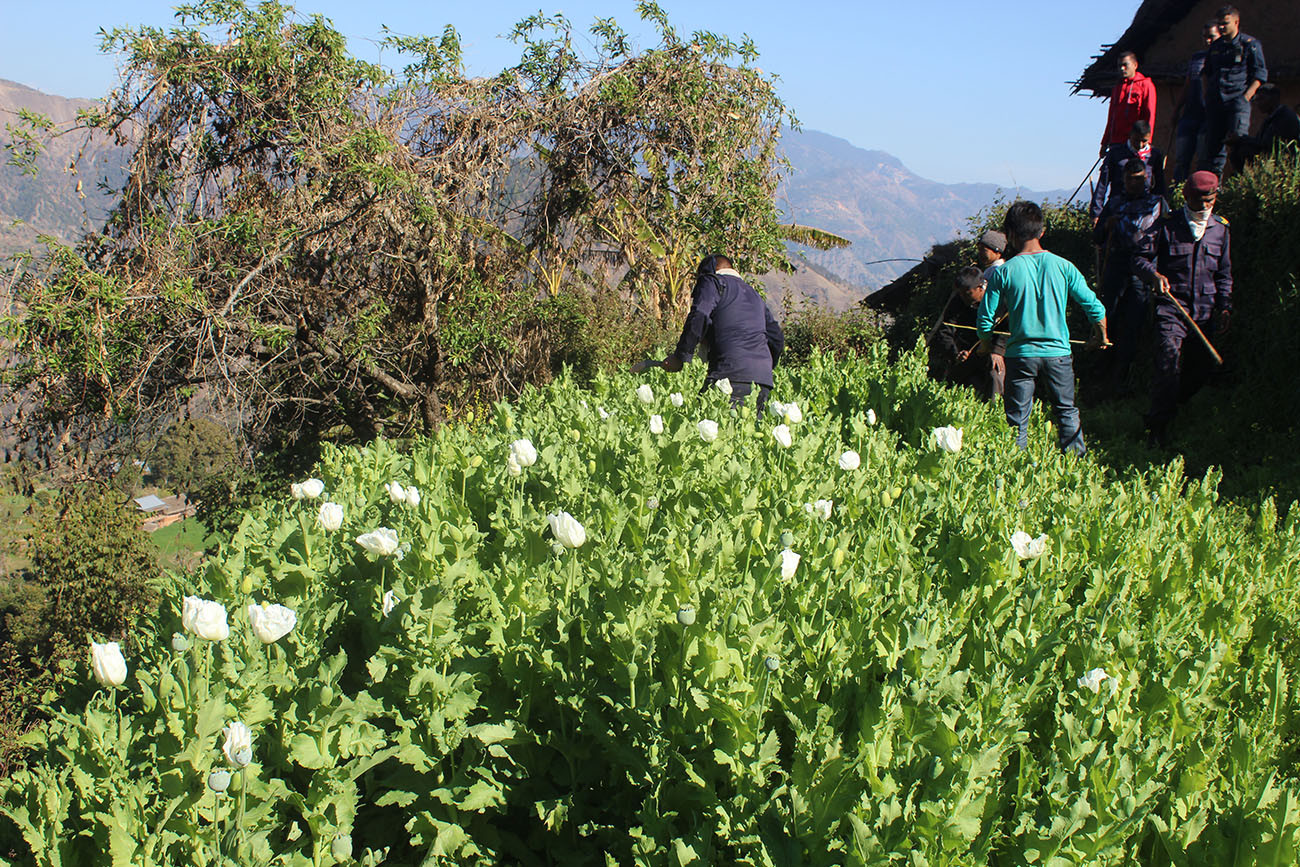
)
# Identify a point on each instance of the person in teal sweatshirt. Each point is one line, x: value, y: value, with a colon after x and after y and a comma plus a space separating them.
x: 1033, y: 287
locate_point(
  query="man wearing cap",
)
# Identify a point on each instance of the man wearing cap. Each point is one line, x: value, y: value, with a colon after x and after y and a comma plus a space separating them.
x: 1234, y: 70
x: 1187, y: 261
x: 743, y: 337
x: 989, y: 249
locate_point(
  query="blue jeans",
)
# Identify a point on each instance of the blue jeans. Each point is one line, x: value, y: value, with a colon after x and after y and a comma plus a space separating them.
x: 1057, y: 377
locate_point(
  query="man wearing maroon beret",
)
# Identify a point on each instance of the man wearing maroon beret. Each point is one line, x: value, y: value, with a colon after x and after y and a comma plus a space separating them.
x: 1187, y: 260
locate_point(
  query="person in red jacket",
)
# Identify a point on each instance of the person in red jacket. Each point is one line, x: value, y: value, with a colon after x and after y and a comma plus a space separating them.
x: 1132, y: 99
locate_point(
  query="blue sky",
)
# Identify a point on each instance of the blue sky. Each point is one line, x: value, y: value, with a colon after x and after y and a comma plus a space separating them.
x: 958, y: 90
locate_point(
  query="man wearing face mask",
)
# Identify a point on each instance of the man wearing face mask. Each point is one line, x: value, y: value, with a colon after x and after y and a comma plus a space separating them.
x: 1186, y: 258
x: 744, y: 339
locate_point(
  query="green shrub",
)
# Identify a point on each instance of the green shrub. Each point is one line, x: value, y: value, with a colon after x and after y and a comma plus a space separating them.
x: 810, y: 329
x: 192, y: 452
x: 92, y: 575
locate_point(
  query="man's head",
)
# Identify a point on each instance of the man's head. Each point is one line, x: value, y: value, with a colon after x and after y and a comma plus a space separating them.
x: 1139, y: 136
x: 990, y: 247
x: 1229, y: 21
x: 1210, y: 31
x: 1201, y: 190
x: 1268, y: 98
x: 1023, y: 223
x: 711, y: 264
x: 969, y: 285
x: 1128, y: 65
x: 1135, y: 178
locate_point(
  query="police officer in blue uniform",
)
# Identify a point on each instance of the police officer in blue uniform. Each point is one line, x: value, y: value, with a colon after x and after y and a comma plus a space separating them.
x: 744, y: 339
x: 1126, y: 221
x: 1234, y: 70
x: 1187, y: 258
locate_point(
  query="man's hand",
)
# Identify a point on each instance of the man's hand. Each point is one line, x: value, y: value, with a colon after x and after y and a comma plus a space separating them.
x: 1102, y: 153
x: 672, y: 364
x: 964, y: 354
x: 1222, y: 321
x: 1099, y: 339
x: 999, y: 364
x: 1162, y: 284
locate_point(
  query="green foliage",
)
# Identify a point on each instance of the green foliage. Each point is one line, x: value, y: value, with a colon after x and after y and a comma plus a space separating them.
x: 907, y: 693
x: 192, y: 452
x: 810, y: 329
x: 92, y: 576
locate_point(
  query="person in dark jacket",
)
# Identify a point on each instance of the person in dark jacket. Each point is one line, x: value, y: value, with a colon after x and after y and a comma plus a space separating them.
x: 1186, y: 259
x: 1281, y: 126
x: 744, y: 340
x: 952, y: 351
x: 1234, y: 70
x: 1138, y: 147
x: 1189, y: 113
x: 1125, y: 223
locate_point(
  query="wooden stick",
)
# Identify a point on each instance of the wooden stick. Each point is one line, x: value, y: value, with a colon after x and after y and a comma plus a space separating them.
x: 1008, y: 333
x: 1214, y: 353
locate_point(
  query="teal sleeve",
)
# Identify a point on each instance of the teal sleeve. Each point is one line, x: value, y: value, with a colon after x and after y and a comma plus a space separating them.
x: 984, y: 318
x: 1084, y: 297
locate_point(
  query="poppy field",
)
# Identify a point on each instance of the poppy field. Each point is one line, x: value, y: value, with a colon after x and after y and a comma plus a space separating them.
x: 629, y: 624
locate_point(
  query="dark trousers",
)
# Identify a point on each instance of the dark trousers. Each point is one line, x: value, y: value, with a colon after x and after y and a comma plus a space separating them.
x: 1187, y: 146
x: 1182, y: 366
x: 1057, y: 378
x: 1125, y: 298
x: 740, y: 391
x: 1223, y: 121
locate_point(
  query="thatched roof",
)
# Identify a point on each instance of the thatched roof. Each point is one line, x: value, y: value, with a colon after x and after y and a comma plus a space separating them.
x: 1165, y: 33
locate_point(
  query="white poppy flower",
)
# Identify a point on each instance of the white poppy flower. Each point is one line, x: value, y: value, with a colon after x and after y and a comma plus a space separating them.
x: 204, y: 618
x: 567, y: 530
x: 708, y: 430
x: 676, y: 398
x: 382, y: 542
x: 781, y: 433
x: 523, y: 452
x: 295, y: 490
x: 412, y: 496
x: 603, y: 414
x: 793, y: 414
x: 724, y: 385
x: 330, y: 517
x: 390, y: 602
x: 512, y: 466
x: 776, y: 408
x: 107, y: 663
x: 313, y: 488
x: 947, y: 438
x: 823, y: 508
x: 396, y: 492
x: 238, y: 746
x: 656, y: 424
x: 850, y: 460
x: 789, y: 563
x: 1092, y: 679
x: 271, y: 622
x: 645, y: 393
x: 871, y: 416
x: 1028, y: 548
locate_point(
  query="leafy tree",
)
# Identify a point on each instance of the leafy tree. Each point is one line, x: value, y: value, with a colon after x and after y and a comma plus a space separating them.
x: 192, y: 452
x: 312, y: 242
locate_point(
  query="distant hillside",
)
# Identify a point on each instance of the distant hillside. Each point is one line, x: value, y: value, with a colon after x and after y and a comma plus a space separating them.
x: 872, y: 199
x: 869, y: 197
x: 49, y: 203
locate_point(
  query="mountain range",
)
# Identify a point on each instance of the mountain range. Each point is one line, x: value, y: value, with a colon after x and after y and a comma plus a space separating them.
x: 869, y: 197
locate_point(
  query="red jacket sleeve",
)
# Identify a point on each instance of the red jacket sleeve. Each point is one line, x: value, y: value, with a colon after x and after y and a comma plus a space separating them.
x: 1147, y: 111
